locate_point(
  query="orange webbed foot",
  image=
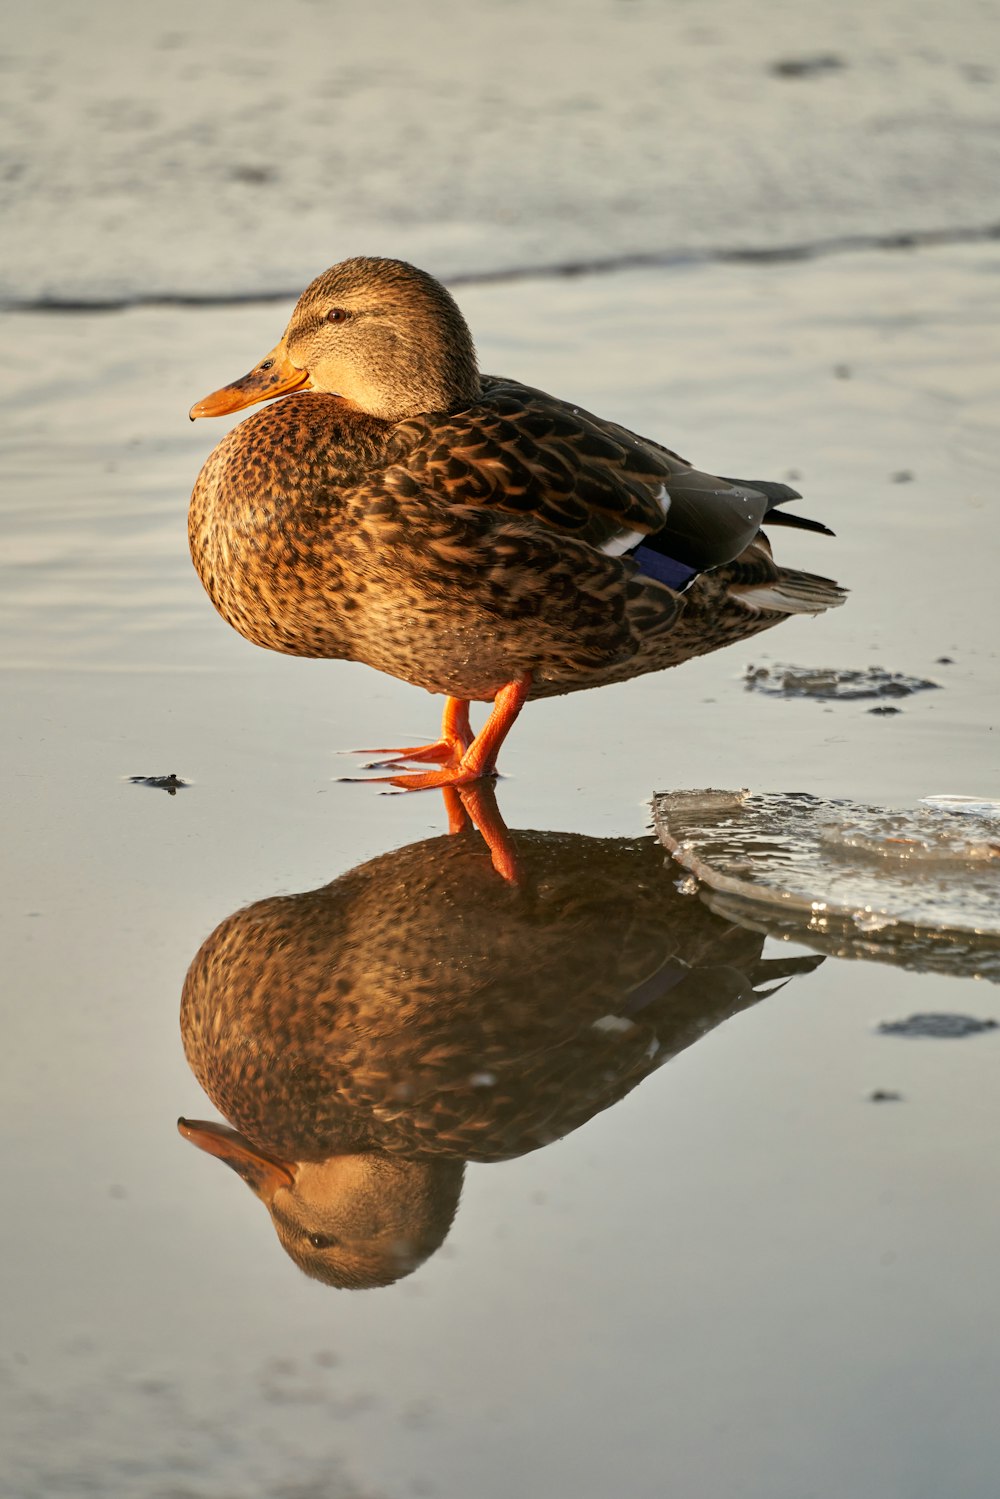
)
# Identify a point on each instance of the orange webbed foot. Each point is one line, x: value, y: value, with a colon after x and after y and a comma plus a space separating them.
x: 439, y: 753
x: 456, y: 737
x: 456, y: 775
x: 469, y: 759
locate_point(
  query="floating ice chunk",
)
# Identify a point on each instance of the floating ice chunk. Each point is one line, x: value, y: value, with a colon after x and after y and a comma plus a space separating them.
x: 920, y: 888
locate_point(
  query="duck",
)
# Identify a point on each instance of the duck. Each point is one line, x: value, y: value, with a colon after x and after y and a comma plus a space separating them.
x: 464, y: 532
x: 366, y: 1041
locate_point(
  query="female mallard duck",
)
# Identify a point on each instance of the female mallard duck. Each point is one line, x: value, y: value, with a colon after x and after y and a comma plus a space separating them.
x: 463, y: 531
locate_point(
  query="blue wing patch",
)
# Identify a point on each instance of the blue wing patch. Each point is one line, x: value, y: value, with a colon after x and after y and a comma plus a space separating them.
x: 676, y: 575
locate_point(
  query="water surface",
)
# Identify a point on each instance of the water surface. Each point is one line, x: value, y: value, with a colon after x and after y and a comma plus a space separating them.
x: 743, y: 1277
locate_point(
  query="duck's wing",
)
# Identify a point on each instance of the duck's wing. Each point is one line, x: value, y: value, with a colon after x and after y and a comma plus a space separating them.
x: 527, y: 453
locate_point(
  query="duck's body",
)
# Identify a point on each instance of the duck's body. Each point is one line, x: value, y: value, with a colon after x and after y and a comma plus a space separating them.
x: 500, y: 541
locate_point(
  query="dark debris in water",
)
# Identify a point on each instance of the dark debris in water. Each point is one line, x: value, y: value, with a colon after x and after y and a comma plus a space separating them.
x: 830, y: 684
x: 807, y: 67
x: 942, y: 1026
x: 253, y: 173
x: 885, y: 1095
x: 885, y: 710
x: 171, y: 784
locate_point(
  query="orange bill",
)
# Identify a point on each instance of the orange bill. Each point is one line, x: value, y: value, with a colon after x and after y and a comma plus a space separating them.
x: 263, y: 1173
x: 276, y: 375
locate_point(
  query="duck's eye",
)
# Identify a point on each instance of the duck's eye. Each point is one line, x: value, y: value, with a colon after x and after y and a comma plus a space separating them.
x: 337, y: 315
x: 323, y: 1241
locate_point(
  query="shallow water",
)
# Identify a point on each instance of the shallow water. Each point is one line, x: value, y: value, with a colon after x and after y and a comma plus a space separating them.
x: 746, y: 1276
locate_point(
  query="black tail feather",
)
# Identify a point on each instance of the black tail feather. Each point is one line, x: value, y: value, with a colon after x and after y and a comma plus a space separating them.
x: 801, y: 522
x: 780, y: 494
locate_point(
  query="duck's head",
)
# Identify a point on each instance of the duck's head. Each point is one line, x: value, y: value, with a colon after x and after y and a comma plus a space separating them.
x: 354, y: 1221
x: 381, y: 334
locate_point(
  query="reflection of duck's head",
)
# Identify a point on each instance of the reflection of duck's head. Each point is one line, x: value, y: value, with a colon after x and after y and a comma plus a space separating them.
x: 357, y: 1220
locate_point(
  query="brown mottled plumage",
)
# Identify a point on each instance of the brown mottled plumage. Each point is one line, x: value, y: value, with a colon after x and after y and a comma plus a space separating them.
x: 463, y: 532
x: 368, y: 1038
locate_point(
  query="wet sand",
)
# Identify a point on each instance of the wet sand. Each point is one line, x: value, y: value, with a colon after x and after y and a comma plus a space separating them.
x: 746, y: 1277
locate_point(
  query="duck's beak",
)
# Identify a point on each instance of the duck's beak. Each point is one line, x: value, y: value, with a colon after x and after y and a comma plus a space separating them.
x: 276, y: 375
x: 263, y: 1173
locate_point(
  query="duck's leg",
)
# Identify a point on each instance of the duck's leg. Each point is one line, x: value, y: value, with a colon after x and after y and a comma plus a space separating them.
x: 456, y: 737
x: 480, y: 758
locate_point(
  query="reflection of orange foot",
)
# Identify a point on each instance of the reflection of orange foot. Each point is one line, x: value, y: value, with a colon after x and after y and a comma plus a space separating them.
x: 456, y: 774
x: 477, y: 804
x: 456, y: 737
x: 479, y: 759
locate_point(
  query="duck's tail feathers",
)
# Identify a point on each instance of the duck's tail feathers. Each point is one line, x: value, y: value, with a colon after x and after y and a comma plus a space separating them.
x: 792, y: 592
x: 775, y: 517
x: 780, y: 494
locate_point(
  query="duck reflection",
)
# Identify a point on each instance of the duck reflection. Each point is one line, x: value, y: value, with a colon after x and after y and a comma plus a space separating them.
x: 445, y: 1003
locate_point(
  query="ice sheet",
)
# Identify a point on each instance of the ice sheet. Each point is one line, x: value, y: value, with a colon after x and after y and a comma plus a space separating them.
x: 917, y: 887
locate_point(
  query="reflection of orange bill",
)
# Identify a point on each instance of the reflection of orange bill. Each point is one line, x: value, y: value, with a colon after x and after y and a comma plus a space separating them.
x: 263, y: 1173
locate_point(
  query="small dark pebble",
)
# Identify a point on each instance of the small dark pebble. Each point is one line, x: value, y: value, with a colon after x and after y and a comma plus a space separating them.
x: 976, y: 72
x: 171, y: 784
x: 945, y: 661
x: 807, y: 67
x: 251, y: 173
x: 903, y: 476
x: 943, y: 1026
x: 885, y: 710
x: 884, y: 1095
